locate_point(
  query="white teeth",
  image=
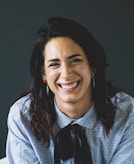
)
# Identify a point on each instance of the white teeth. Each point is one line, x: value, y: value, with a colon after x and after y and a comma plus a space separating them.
x: 69, y: 86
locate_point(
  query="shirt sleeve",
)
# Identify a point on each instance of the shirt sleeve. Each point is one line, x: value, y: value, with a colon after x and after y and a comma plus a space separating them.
x: 125, y: 151
x: 18, y: 148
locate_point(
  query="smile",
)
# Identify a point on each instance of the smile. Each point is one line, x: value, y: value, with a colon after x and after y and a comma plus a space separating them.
x: 70, y: 86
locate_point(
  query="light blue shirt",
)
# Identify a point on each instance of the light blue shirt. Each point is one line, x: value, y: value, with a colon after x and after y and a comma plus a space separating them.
x: 116, y: 148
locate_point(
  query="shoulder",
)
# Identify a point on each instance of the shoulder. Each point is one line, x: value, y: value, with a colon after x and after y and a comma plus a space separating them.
x: 20, y: 108
x: 124, y: 106
x: 123, y: 101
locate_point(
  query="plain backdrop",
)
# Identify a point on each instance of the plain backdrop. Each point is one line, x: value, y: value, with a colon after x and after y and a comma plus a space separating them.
x: 110, y: 21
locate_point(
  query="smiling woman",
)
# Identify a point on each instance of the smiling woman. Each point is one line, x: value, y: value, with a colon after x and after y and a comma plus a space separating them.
x: 71, y: 113
x: 68, y: 75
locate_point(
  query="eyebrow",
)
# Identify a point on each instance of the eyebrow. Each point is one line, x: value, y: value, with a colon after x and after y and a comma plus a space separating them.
x: 73, y: 56
x: 52, y: 60
x: 70, y: 57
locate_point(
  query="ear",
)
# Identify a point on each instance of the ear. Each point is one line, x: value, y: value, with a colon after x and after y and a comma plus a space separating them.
x: 44, y: 79
x: 93, y: 70
x: 43, y: 76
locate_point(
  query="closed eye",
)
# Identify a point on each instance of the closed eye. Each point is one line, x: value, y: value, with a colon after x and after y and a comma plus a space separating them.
x: 76, y: 60
x: 53, y: 65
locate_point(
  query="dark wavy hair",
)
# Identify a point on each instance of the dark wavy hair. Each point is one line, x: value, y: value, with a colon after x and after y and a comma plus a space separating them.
x: 42, y: 110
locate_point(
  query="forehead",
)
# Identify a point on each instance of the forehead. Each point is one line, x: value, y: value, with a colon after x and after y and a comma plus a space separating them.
x: 62, y: 46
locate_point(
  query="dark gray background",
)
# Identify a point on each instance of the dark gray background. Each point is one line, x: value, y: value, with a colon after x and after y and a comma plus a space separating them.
x: 110, y: 21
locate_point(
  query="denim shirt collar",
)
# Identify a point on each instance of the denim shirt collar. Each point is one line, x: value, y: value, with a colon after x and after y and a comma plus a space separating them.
x: 87, y: 121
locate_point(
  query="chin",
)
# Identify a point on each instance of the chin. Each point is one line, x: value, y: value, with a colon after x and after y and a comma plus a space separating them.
x: 69, y: 100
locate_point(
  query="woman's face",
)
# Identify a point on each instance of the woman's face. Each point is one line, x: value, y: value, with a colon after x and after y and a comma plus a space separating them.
x: 67, y: 71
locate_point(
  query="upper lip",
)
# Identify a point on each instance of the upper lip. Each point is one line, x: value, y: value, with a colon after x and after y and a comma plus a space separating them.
x: 67, y: 83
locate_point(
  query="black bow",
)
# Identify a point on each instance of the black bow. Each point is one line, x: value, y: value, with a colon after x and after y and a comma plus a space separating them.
x: 71, y: 142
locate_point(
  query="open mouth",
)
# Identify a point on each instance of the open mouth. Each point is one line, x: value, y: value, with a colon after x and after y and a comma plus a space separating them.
x: 69, y: 86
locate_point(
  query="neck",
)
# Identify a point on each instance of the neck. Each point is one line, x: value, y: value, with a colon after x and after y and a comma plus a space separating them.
x: 75, y: 111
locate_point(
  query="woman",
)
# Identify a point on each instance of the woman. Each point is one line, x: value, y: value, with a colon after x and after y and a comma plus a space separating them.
x: 70, y: 114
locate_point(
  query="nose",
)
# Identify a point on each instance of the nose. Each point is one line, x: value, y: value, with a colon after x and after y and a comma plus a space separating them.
x: 67, y: 72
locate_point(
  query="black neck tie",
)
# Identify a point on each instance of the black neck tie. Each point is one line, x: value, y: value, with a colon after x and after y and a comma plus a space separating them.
x: 71, y: 142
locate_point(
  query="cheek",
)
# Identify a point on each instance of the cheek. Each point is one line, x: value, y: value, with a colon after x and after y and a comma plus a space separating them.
x: 85, y: 70
x: 51, y: 76
x: 87, y: 75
